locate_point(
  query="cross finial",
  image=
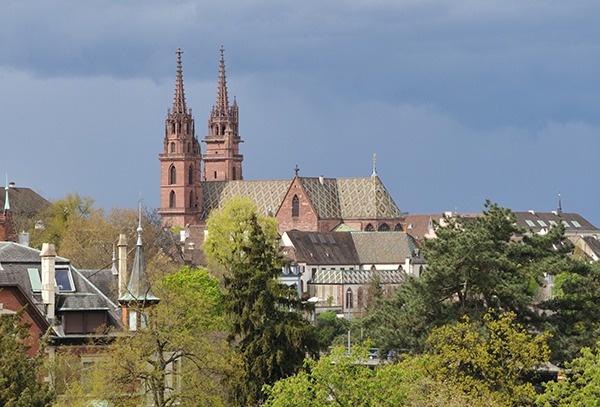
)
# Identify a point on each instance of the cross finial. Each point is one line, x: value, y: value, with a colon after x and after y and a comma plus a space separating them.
x: 296, y: 170
x: 374, y: 164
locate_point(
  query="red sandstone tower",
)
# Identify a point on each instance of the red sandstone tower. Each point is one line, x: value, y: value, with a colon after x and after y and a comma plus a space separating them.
x: 180, y: 190
x: 223, y: 161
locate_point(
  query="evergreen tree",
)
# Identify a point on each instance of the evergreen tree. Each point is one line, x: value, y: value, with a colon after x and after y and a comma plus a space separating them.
x: 268, y: 329
x: 21, y: 383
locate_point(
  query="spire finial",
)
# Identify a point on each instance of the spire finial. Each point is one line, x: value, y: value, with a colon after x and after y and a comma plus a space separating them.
x: 296, y: 170
x: 139, y: 228
x: 559, y: 209
x: 374, y: 165
x: 6, y: 203
x: 179, y: 100
x: 222, y: 106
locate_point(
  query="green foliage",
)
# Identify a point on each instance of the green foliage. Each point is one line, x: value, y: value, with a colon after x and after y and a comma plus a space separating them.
x: 179, y: 358
x: 574, y: 319
x: 472, y: 265
x: 268, y: 330
x: 329, y: 327
x: 20, y: 375
x: 493, y: 359
x: 580, y: 386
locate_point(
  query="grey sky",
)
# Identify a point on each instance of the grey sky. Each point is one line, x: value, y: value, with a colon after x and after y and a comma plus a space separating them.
x: 461, y: 100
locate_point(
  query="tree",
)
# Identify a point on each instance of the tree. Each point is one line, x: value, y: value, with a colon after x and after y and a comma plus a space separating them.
x: 473, y: 264
x: 495, y: 359
x: 574, y: 317
x: 268, y: 329
x: 580, y: 387
x: 179, y: 358
x: 20, y: 375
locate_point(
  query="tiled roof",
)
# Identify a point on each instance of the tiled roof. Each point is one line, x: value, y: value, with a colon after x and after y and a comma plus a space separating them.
x: 24, y: 201
x: 346, y: 198
x: 362, y: 277
x: 332, y: 198
x: 320, y: 248
x: 574, y: 223
x: 593, y: 244
x: 383, y: 247
x: 267, y: 195
x: 16, y: 253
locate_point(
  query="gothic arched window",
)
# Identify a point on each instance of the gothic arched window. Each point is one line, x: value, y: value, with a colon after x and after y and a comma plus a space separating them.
x: 384, y: 227
x: 172, y: 147
x: 349, y: 299
x: 190, y: 175
x: 172, y: 200
x: 398, y: 227
x: 172, y: 175
x: 295, y: 206
x: 369, y: 228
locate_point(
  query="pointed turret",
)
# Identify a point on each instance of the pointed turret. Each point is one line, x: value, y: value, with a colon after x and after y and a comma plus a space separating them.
x: 138, y: 290
x: 223, y: 161
x: 7, y: 228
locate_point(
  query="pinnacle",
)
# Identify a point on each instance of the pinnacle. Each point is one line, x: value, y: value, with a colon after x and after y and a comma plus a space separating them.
x: 179, y: 100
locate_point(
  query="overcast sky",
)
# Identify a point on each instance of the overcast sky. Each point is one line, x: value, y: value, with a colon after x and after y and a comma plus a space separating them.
x: 461, y: 100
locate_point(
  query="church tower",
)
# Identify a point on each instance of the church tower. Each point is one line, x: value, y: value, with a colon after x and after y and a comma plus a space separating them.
x: 180, y: 190
x: 223, y: 161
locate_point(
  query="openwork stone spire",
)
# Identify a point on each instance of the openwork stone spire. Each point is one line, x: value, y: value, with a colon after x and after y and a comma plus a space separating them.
x: 222, y: 105
x: 179, y: 100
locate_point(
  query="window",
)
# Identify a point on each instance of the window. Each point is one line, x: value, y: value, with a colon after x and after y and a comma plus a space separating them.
x: 349, y: 299
x: 398, y: 227
x: 172, y: 175
x: 565, y: 224
x: 530, y: 223
x: 542, y: 223
x: 369, y: 228
x: 172, y: 200
x: 576, y: 224
x: 172, y: 147
x: 553, y: 223
x: 34, y: 279
x: 215, y: 175
x: 384, y: 227
x: 64, y: 280
x: 191, y: 175
x: 295, y: 206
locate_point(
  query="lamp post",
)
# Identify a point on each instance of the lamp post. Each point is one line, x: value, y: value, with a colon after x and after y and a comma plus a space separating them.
x: 348, y: 297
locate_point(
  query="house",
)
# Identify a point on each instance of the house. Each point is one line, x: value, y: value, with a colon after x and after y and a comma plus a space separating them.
x: 59, y: 299
x: 336, y: 268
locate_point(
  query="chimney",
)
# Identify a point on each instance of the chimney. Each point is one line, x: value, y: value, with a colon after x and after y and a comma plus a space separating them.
x: 122, y: 264
x: 321, y: 180
x: 48, y: 256
x: 24, y: 238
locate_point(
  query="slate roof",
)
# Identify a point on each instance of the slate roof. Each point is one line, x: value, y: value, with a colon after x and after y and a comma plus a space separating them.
x: 332, y: 198
x: 16, y: 260
x: 593, y: 244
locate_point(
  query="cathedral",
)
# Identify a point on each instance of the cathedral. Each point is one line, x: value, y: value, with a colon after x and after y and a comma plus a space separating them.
x: 193, y: 183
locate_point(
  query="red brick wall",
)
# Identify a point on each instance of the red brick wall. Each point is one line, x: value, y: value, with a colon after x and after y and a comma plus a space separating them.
x: 11, y: 301
x: 307, y: 219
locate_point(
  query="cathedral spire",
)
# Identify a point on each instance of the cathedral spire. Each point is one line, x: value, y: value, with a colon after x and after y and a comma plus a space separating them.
x: 179, y: 100
x: 222, y: 105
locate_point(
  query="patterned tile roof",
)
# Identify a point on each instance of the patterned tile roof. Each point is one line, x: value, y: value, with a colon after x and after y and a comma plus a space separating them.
x: 332, y: 198
x: 347, y: 198
x: 267, y: 195
x: 328, y: 277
